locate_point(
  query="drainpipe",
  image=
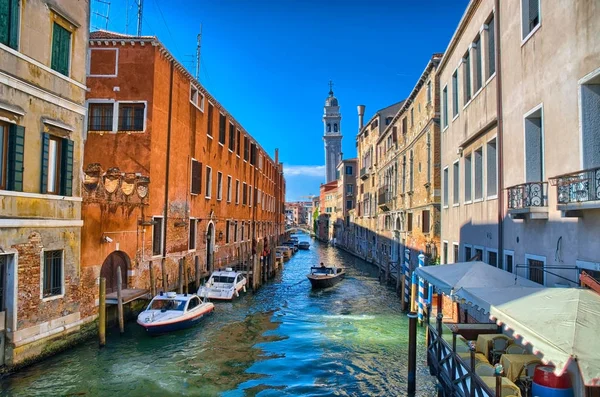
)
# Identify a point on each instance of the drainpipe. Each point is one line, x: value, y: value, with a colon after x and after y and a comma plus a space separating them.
x: 499, y: 136
x: 166, y: 204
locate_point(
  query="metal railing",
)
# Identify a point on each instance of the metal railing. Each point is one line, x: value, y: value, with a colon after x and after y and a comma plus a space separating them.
x: 578, y: 187
x: 363, y: 172
x: 527, y: 195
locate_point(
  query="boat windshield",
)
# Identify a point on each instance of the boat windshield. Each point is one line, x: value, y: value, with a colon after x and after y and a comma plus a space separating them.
x: 223, y: 279
x: 167, y: 304
x: 322, y: 270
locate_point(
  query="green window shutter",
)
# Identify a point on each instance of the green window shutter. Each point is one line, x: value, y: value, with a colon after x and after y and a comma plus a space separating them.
x: 66, y: 168
x: 13, y: 24
x: 61, y: 46
x: 16, y: 149
x: 4, y: 18
x: 44, y: 173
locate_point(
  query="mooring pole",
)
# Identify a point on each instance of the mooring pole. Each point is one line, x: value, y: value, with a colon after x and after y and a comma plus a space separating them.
x: 402, y: 294
x: 120, y: 300
x: 180, y: 277
x: 412, y: 353
x: 152, y: 280
x: 102, y: 313
x: 197, y: 274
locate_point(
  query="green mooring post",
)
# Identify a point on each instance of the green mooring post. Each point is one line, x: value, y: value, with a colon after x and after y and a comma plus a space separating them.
x: 412, y: 353
x: 102, y: 313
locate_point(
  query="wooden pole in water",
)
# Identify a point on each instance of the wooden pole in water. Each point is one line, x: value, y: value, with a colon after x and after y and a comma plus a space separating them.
x: 398, y: 278
x: 165, y: 276
x: 180, y: 277
x: 402, y: 297
x: 412, y: 353
x: 185, y: 279
x: 152, y: 280
x: 413, y: 293
x: 120, y: 300
x: 102, y: 313
x: 197, y: 272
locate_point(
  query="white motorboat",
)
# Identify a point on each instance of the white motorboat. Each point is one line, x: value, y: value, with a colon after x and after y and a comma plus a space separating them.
x: 223, y: 285
x: 171, y: 312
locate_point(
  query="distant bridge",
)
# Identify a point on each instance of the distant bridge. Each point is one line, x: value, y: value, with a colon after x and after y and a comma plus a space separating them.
x: 299, y: 228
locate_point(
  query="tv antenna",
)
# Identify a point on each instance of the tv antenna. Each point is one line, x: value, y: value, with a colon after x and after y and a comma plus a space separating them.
x: 101, y: 11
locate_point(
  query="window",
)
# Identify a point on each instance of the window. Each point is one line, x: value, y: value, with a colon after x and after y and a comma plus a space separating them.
x: 388, y: 120
x: 455, y: 247
x: 445, y: 198
x: 61, y: 49
x: 250, y: 200
x: 492, y: 258
x: 535, y: 267
x: 229, y: 180
x: 530, y: 14
x: 445, y: 253
x: 222, y: 121
x: 235, y: 231
x: 409, y: 222
x: 196, y: 185
x: 455, y: 93
x: 478, y: 173
x: 244, y: 194
x: 238, y: 142
x: 227, y: 229
x: 428, y: 92
x: 426, y: 222
x: 209, y: 119
x: 468, y: 178
x: 456, y: 183
x: 335, y: 127
x: 508, y: 261
x: 491, y: 44
x: 253, y: 154
x: 348, y: 170
x: 196, y: 98
x: 219, y: 186
x: 467, y: 77
x: 53, y: 273
x: 348, y: 204
x: 328, y: 127
x: 492, y: 177
x: 57, y: 165
x: 9, y: 29
x: 468, y: 254
x: 131, y: 116
x: 590, y: 122
x: 208, y: 190
x: 12, y: 146
x: 412, y: 116
x: 237, y: 191
x: 231, y: 137
x: 534, y: 146
x: 246, y: 149
x: 157, y: 235
x: 192, y: 235
x: 477, y: 71
x: 100, y: 117
x: 479, y: 253
x: 242, y: 231
x: 349, y: 189
x: 445, y: 107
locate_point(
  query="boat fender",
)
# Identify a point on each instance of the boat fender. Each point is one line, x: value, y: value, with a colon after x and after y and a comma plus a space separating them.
x: 244, y: 288
x: 237, y: 294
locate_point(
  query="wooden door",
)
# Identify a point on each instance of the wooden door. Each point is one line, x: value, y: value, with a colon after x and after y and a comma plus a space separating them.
x: 109, y: 270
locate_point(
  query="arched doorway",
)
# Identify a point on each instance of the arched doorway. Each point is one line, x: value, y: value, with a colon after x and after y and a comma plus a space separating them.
x: 109, y: 270
x: 210, y: 246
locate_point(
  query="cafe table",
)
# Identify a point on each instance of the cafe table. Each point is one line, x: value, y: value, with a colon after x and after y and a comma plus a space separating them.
x: 512, y: 363
x: 508, y: 386
x: 484, y: 342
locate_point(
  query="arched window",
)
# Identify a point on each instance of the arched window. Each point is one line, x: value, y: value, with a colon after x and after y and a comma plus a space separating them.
x: 328, y: 127
x: 335, y: 128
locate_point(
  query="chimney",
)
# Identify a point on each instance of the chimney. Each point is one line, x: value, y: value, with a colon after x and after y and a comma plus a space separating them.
x: 276, y: 156
x: 361, y: 113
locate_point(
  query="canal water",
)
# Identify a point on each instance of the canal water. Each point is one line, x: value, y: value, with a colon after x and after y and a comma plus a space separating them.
x: 284, y: 340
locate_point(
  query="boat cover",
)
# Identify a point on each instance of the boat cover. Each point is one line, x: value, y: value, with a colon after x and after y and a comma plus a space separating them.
x: 560, y: 324
x: 446, y: 278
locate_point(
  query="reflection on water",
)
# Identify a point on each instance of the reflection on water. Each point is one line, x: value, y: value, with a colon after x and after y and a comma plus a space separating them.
x: 350, y: 340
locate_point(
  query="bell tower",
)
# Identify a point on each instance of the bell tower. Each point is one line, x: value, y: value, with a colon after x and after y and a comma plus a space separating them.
x: 332, y: 135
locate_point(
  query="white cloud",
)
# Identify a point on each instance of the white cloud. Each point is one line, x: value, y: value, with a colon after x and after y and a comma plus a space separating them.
x: 304, y: 170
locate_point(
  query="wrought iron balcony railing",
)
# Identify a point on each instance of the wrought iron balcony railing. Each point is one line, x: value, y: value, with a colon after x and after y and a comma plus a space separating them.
x: 578, y: 187
x: 527, y: 195
x: 363, y: 173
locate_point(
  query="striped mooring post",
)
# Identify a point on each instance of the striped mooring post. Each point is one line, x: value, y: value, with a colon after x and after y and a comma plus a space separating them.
x: 406, y: 269
x: 421, y: 290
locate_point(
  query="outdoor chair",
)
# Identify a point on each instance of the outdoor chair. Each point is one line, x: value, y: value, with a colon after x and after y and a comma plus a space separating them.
x: 484, y: 369
x: 515, y: 349
x: 525, y: 377
x: 499, y: 346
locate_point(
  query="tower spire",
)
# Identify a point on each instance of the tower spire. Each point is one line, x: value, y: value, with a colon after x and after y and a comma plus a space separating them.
x: 330, y: 88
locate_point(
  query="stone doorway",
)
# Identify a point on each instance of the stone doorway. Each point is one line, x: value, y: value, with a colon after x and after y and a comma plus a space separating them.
x: 110, y: 267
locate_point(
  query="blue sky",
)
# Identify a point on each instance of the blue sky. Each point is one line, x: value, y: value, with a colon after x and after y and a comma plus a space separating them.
x: 269, y: 62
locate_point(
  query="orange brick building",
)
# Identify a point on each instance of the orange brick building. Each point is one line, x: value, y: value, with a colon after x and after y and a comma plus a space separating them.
x: 171, y: 180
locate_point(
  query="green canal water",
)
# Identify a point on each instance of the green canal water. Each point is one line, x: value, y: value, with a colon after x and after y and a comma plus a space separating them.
x: 284, y: 340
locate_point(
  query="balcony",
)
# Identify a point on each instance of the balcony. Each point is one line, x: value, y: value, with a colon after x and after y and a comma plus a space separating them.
x: 384, y: 199
x: 364, y: 173
x: 577, y: 191
x: 528, y: 200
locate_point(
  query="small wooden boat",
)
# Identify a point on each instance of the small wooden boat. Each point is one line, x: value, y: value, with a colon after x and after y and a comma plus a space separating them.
x: 223, y: 285
x: 323, y: 277
x: 303, y: 245
x: 171, y: 312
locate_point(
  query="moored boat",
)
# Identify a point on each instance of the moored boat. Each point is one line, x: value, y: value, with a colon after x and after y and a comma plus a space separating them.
x: 223, y: 285
x: 323, y: 277
x: 303, y: 245
x: 171, y: 312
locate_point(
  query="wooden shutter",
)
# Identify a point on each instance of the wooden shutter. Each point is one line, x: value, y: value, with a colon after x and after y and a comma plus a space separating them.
x: 13, y: 24
x: 44, y: 170
x: 4, y: 24
x: 16, y: 149
x: 66, y: 168
x: 196, y: 177
x: 61, y: 43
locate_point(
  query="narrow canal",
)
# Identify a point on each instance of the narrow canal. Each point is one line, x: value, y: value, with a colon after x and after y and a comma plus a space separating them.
x: 350, y: 340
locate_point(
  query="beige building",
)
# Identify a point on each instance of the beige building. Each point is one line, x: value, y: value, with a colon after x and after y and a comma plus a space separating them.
x: 367, y: 189
x: 44, y: 295
x: 347, y: 171
x: 468, y: 97
x: 408, y: 175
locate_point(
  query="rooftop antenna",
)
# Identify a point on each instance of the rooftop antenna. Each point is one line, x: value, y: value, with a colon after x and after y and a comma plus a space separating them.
x: 140, y: 6
x: 101, y: 11
x: 198, y: 45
